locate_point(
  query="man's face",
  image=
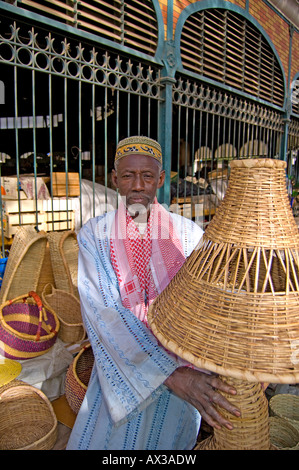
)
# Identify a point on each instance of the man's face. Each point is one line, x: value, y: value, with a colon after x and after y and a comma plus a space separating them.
x: 137, y: 178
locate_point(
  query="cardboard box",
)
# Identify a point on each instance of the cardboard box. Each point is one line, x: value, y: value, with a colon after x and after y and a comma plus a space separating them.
x: 9, y: 188
x: 59, y: 181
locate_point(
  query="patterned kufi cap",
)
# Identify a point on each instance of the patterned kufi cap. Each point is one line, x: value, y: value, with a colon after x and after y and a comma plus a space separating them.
x: 139, y: 145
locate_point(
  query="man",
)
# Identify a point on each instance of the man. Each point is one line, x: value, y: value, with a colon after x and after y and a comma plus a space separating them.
x: 140, y: 396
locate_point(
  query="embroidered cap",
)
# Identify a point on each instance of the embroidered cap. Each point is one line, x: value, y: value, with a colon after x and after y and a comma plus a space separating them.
x: 139, y: 145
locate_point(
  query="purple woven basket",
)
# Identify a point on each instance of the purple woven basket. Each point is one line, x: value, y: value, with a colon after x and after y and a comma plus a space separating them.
x: 26, y: 329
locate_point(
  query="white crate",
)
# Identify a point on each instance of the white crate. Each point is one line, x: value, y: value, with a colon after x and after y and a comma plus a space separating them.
x: 60, y: 210
x: 61, y: 220
x: 12, y: 222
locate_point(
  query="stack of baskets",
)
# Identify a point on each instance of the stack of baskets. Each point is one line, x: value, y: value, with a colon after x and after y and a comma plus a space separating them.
x: 44, y: 266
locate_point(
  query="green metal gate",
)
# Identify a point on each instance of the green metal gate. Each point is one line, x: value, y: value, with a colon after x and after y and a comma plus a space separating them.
x: 79, y: 76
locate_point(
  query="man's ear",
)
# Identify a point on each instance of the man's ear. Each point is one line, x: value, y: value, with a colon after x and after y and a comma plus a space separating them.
x: 114, y: 178
x: 161, y: 179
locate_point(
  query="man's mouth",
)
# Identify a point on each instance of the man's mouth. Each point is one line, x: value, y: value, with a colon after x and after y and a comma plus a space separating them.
x: 138, y: 200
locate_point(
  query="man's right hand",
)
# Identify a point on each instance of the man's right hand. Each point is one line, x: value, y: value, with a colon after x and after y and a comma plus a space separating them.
x: 201, y: 390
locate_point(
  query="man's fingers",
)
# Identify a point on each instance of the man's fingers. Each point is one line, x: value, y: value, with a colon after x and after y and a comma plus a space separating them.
x: 210, y: 414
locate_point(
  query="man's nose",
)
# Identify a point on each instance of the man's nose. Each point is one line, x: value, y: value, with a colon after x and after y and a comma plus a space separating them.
x: 138, y: 184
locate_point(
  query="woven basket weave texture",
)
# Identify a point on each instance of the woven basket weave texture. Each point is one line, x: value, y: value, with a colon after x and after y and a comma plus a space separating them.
x: 25, y: 263
x: 77, y: 377
x: 27, y: 418
x: 233, y: 306
x: 64, y: 257
x: 68, y: 310
x: 27, y: 329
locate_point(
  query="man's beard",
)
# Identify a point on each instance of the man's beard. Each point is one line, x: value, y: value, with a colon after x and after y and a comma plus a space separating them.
x: 139, y: 212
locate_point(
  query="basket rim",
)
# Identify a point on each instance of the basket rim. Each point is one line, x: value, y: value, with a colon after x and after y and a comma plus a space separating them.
x: 84, y: 348
x: 26, y: 336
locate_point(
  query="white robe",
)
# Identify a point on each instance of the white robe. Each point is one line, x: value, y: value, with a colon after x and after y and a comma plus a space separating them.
x: 126, y: 406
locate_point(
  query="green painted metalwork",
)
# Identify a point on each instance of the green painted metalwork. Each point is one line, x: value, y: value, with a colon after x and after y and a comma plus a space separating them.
x: 104, y: 91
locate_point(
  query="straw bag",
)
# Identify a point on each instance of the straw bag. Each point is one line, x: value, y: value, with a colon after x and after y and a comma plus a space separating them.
x: 282, y: 434
x: 77, y: 377
x: 286, y: 406
x: 27, y: 418
x: 25, y: 263
x: 68, y: 310
x: 64, y: 258
x: 27, y: 329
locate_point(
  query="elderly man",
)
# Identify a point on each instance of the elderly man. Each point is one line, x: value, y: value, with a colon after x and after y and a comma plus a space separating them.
x: 140, y: 396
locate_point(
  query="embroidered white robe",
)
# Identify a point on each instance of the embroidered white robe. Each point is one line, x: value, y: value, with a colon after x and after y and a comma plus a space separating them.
x: 126, y: 406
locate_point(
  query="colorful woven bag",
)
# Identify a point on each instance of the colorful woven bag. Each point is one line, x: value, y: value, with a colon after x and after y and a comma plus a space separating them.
x: 27, y: 329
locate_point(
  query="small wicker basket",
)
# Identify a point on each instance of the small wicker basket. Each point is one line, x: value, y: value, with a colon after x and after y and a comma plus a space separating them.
x: 68, y: 310
x: 27, y: 418
x: 286, y: 406
x: 77, y: 377
x: 282, y: 434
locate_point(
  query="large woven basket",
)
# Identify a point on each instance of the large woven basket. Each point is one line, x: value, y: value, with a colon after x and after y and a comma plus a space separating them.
x: 239, y: 314
x: 68, y: 309
x: 24, y: 264
x: 77, y: 377
x: 27, y: 328
x: 27, y: 418
x: 286, y: 406
x: 64, y: 257
x: 283, y: 435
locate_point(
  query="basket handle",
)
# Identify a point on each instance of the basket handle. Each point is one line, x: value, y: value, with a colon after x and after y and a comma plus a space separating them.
x: 42, y: 312
x: 36, y: 298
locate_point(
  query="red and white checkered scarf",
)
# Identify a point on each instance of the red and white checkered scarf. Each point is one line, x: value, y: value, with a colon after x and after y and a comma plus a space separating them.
x: 144, y: 265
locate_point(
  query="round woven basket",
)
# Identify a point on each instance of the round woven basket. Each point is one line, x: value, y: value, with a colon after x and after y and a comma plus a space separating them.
x: 283, y: 435
x: 64, y: 257
x: 27, y: 418
x: 77, y: 377
x: 27, y: 328
x: 68, y: 310
x: 286, y: 406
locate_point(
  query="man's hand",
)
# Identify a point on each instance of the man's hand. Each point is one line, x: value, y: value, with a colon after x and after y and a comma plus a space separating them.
x: 200, y: 390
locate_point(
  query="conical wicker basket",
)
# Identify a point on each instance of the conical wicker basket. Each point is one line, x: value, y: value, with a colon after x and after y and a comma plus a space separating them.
x: 24, y: 264
x: 233, y: 308
x: 27, y: 418
x: 77, y: 377
x: 68, y: 310
x: 64, y: 257
x: 286, y: 406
